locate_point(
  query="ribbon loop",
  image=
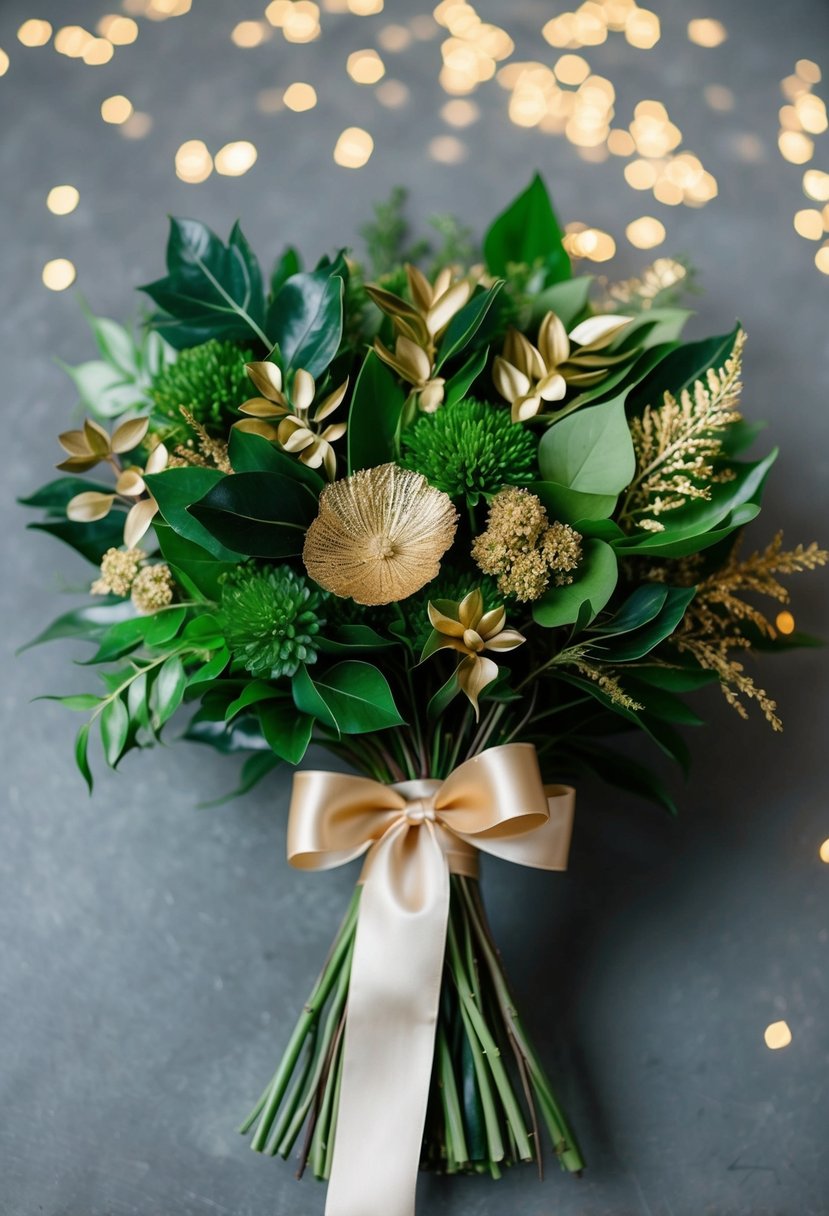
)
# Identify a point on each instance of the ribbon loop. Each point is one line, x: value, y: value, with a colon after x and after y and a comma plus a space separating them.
x: 413, y: 835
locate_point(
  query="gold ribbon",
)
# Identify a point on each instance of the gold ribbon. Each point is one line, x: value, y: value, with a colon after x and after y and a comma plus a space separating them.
x: 414, y: 834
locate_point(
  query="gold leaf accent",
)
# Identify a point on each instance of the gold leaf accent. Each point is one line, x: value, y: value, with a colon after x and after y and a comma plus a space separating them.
x: 379, y: 535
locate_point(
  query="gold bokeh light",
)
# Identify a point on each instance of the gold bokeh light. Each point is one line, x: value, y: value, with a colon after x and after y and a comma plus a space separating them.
x: 365, y: 67
x: 784, y: 622
x: 300, y: 97
x: 235, y: 158
x: 646, y: 232
x: 706, y: 31
x: 353, y: 148
x: 777, y: 1035
x: 194, y: 164
x: 58, y: 274
x: 116, y: 109
x: 34, y: 32
x: 62, y: 200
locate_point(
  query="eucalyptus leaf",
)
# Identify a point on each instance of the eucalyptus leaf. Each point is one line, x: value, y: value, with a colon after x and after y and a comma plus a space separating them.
x: 594, y: 582
x: 591, y: 451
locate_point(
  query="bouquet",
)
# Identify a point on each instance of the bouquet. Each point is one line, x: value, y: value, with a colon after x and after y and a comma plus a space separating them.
x: 466, y: 521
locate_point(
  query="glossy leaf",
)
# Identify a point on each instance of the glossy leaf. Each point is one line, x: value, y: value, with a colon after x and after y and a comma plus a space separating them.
x: 567, y: 299
x: 115, y: 724
x: 466, y: 323
x: 642, y: 605
x: 261, y: 514
x: 347, y: 638
x: 168, y: 689
x: 679, y: 369
x: 458, y: 386
x: 594, y: 582
x: 636, y: 643
x: 305, y: 320
x: 352, y: 698
x: 211, y: 290
x: 374, y: 417
x: 251, y: 453
x: 287, y: 732
x: 591, y: 451
x: 567, y: 505
x: 90, y: 540
x: 90, y: 622
x: 193, y: 567
x: 243, y: 735
x: 82, y: 755
x: 55, y: 495
x: 251, y: 694
x: 175, y: 490
x: 528, y: 231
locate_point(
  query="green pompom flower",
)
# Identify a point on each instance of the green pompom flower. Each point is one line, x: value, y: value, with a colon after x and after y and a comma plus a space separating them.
x: 208, y: 380
x: 270, y: 617
x: 470, y: 450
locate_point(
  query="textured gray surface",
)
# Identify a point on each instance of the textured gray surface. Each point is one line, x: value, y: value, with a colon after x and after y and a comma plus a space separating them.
x: 154, y: 954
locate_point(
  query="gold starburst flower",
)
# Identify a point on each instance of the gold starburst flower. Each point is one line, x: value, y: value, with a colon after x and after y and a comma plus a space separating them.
x: 529, y: 376
x: 298, y: 431
x: 379, y: 535
x: 465, y: 627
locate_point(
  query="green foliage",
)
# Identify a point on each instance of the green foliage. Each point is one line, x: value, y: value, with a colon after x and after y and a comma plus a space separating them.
x: 470, y: 450
x: 209, y: 380
x: 351, y: 698
x: 271, y: 617
x: 593, y: 584
x: 262, y: 514
x: 374, y: 419
x: 590, y: 451
x: 528, y: 232
x: 119, y: 381
x: 305, y: 318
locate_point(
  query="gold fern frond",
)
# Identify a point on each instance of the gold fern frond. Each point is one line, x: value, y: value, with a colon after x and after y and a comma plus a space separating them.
x: 204, y: 451
x: 677, y: 443
x: 656, y: 286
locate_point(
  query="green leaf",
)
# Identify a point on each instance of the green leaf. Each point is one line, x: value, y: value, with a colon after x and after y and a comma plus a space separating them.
x: 90, y: 540
x: 104, y: 390
x: 661, y: 702
x: 306, y: 319
x: 590, y: 451
x: 175, y: 490
x: 705, y: 522
x: 163, y: 626
x: 739, y: 436
x: 642, y: 606
x: 287, y: 732
x: 568, y: 506
x: 352, y: 698
x: 90, y: 622
x: 623, y: 377
x: 168, y: 689
x: 636, y: 643
x: 82, y: 755
x: 261, y: 514
x: 374, y: 417
x: 680, y: 369
x: 207, y: 673
x: 137, y: 707
x: 466, y: 323
x: 116, y: 345
x: 243, y: 735
x: 257, y: 690
x: 594, y: 582
x: 353, y: 637
x: 251, y: 453
x: 676, y: 679
x: 211, y: 290
x: 83, y: 701
x: 444, y: 696
x: 120, y: 639
x: 458, y: 386
x: 253, y: 770
x: 115, y: 725
x: 526, y: 232
x: 567, y: 299
x: 55, y: 495
x: 287, y: 266
x: 193, y: 567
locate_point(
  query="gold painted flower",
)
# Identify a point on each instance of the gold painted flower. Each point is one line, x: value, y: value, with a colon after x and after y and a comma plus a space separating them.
x: 418, y: 327
x: 530, y: 376
x: 298, y: 430
x: 465, y: 627
x: 379, y: 535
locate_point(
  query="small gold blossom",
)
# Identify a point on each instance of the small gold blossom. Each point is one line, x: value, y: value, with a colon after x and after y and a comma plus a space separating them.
x: 119, y: 568
x: 298, y: 430
x: 529, y: 377
x: 465, y: 627
x: 677, y: 443
x: 152, y: 588
x: 522, y: 549
x: 655, y: 287
x: 418, y: 327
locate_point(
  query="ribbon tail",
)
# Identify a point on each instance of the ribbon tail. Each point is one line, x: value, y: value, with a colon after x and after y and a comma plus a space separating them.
x: 393, y: 1003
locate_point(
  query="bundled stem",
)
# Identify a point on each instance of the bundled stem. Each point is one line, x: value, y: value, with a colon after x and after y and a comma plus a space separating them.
x: 489, y: 1090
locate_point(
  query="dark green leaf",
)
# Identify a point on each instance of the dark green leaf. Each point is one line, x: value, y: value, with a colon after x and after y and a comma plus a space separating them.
x: 352, y: 698
x: 594, y: 582
x: 590, y: 451
x: 306, y: 320
x: 211, y: 290
x: 207, y: 673
x: 163, y: 626
x: 679, y: 369
x: 287, y: 266
x: 193, y: 567
x: 261, y: 514
x: 739, y: 436
x: 639, y: 642
x: 253, y: 770
x: 114, y: 727
x: 56, y: 494
x: 626, y: 774
x: 568, y: 506
x: 528, y: 231
x: 458, y: 386
x: 251, y: 453
x: 137, y: 707
x: 90, y: 622
x: 82, y: 756
x: 466, y: 323
x: 257, y: 690
x: 287, y: 732
x: 642, y: 606
x: 676, y: 679
x: 353, y: 637
x: 374, y: 417
x: 444, y: 696
x: 243, y: 735
x: 175, y: 490
x: 90, y: 540
x: 660, y: 702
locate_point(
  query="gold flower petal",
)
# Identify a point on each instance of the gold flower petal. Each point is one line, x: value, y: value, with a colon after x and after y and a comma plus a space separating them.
x: 599, y: 330
x: 85, y: 508
x: 97, y: 438
x: 443, y: 623
x: 130, y: 482
x: 293, y: 437
x: 509, y: 380
x: 333, y: 432
x: 431, y: 395
x: 256, y: 426
x: 74, y: 442
x: 492, y: 622
x: 303, y: 390
x: 379, y: 535
x: 471, y: 609
x: 330, y: 403
x: 420, y: 288
x: 157, y: 459
x: 267, y: 379
x: 524, y: 408
x: 129, y: 434
x: 528, y: 359
x: 413, y: 358
x: 446, y: 305
x: 139, y: 518
x: 507, y: 639
x: 474, y: 674
x: 261, y: 407
x: 553, y: 342
x: 552, y: 387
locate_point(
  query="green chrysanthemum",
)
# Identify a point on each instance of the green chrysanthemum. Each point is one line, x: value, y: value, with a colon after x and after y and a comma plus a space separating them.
x: 209, y: 380
x: 271, y: 617
x: 470, y: 450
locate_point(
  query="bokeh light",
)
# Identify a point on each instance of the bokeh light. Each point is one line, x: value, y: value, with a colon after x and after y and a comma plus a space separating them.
x: 706, y: 31
x: 646, y: 232
x: 61, y: 200
x: 808, y: 223
x: 116, y: 109
x: 194, y: 164
x: 777, y: 1035
x: 784, y: 622
x: 353, y: 148
x: 59, y: 274
x: 34, y: 32
x: 300, y: 96
x: 365, y: 67
x: 235, y: 158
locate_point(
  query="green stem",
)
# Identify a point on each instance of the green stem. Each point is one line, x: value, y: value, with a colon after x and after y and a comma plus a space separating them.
x: 456, y: 1150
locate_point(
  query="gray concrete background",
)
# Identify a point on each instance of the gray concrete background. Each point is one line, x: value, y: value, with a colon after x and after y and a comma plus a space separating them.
x: 154, y: 954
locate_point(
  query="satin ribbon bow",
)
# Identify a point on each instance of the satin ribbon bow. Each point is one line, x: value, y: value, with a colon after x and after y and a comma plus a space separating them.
x: 414, y: 835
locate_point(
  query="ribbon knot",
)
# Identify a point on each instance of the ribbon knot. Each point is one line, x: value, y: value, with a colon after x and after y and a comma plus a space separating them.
x: 494, y: 803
